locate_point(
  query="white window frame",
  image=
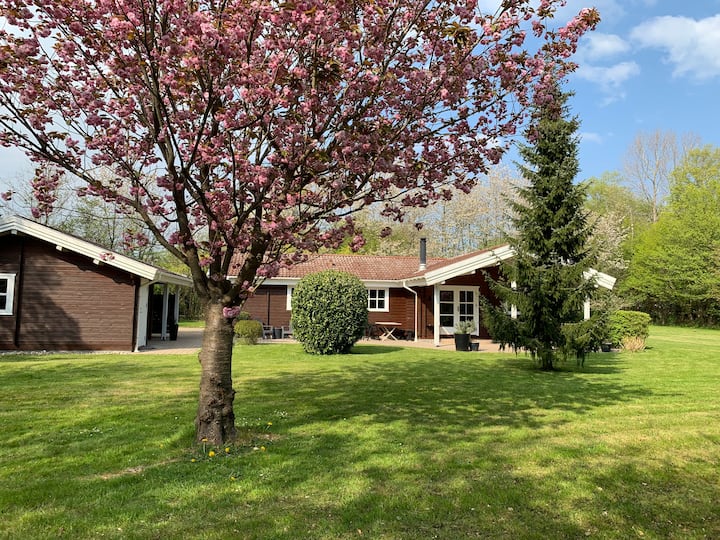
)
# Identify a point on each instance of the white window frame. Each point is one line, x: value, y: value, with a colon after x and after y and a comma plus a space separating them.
x: 288, y: 297
x: 9, y: 294
x: 385, y: 299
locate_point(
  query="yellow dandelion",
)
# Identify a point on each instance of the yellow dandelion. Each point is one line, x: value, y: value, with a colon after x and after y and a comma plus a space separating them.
x: 262, y: 449
x: 227, y: 449
x: 211, y: 453
x: 233, y: 478
x: 204, y: 439
x: 193, y: 460
x: 269, y: 423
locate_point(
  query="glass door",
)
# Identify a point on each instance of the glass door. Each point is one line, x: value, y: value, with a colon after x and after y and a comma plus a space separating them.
x: 447, y: 311
x: 456, y: 304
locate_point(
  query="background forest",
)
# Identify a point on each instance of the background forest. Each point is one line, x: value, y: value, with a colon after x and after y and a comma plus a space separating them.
x: 656, y: 226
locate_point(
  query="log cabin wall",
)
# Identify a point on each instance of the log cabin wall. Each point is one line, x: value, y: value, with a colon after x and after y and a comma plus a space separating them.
x: 63, y: 301
x: 10, y: 263
x: 401, y: 307
x: 269, y: 305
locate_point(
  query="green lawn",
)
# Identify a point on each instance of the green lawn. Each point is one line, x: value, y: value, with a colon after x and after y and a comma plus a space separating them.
x: 384, y: 443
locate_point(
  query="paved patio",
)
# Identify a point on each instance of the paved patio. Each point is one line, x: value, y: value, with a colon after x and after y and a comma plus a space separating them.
x: 189, y: 341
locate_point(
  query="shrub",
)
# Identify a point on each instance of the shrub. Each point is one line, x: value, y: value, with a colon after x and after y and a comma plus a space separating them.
x: 583, y: 337
x: 628, y: 324
x: 329, y: 312
x: 633, y: 344
x: 465, y: 327
x: 248, y: 331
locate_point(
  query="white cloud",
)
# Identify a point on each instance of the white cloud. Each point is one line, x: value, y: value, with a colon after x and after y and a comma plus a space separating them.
x: 596, y: 46
x: 609, y: 77
x: 691, y: 46
x: 589, y: 136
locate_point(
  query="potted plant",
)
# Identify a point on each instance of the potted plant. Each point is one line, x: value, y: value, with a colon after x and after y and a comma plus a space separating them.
x: 463, y: 329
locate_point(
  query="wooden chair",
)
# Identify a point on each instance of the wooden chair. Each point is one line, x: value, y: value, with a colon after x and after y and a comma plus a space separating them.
x: 287, y: 331
x: 267, y: 331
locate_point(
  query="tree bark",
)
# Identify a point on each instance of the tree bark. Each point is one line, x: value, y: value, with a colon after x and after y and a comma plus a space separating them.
x: 215, y: 421
x: 547, y: 359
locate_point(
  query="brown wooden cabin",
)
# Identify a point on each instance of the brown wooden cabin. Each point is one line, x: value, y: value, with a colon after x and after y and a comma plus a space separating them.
x: 423, y: 298
x: 58, y: 292
x: 412, y: 292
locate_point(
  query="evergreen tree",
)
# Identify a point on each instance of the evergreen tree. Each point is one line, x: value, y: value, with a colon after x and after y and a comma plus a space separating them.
x: 544, y: 281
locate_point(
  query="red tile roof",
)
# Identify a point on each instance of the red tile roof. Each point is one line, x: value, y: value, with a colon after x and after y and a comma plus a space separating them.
x: 368, y: 267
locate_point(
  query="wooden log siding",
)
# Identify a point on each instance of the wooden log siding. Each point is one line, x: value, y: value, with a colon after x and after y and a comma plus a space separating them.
x: 66, y: 302
x: 269, y: 305
x: 10, y: 257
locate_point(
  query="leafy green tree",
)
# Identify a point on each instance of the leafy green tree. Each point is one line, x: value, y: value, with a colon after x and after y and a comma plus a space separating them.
x: 674, y: 274
x: 545, y: 280
x: 618, y: 217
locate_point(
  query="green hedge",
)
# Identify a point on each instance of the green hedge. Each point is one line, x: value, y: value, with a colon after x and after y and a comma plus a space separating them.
x: 329, y: 312
x: 628, y: 324
x: 248, y: 331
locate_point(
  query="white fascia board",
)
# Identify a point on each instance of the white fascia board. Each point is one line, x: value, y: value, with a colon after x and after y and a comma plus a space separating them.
x: 372, y: 284
x: 381, y: 283
x: 467, y: 266
x: 16, y: 224
x: 601, y: 279
x: 275, y: 281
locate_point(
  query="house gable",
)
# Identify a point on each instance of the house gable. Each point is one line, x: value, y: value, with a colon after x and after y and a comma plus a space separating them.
x: 69, y: 294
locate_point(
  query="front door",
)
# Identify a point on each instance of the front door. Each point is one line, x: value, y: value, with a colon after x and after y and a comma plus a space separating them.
x: 457, y: 304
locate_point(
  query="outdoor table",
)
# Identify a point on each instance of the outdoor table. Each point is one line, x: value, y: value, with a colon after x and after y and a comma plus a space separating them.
x: 387, y: 328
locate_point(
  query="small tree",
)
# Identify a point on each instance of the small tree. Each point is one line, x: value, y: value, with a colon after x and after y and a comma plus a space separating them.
x: 329, y: 312
x: 544, y: 281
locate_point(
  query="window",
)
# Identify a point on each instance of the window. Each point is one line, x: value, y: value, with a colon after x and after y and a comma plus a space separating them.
x: 7, y: 288
x: 378, y: 300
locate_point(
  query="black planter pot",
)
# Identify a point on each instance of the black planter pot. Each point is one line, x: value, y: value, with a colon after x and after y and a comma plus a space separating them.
x: 462, y: 342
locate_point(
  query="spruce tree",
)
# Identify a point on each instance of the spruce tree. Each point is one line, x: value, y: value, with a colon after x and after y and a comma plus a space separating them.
x: 544, y: 281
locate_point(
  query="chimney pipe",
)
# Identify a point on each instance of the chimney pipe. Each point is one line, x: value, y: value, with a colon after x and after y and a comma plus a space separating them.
x: 423, y: 254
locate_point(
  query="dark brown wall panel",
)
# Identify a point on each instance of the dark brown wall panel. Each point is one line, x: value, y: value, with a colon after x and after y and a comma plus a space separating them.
x: 10, y: 249
x: 68, y: 302
x: 269, y: 305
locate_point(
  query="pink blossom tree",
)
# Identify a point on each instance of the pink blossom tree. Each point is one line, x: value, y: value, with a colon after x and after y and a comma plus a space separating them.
x: 252, y: 130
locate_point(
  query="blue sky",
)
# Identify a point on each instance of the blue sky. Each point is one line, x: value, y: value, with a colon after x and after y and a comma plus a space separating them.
x: 650, y: 65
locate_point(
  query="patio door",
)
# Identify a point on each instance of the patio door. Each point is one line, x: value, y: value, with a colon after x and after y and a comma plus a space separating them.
x: 457, y: 304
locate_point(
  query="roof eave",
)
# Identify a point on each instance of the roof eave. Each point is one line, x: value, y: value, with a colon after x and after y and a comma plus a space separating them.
x: 96, y: 253
x: 484, y: 259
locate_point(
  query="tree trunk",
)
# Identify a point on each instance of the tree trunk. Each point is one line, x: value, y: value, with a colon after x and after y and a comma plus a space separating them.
x: 547, y: 359
x: 215, y: 419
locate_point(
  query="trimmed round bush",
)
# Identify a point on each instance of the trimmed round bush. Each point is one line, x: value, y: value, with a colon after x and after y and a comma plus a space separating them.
x: 248, y: 332
x: 329, y: 312
x: 628, y: 324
